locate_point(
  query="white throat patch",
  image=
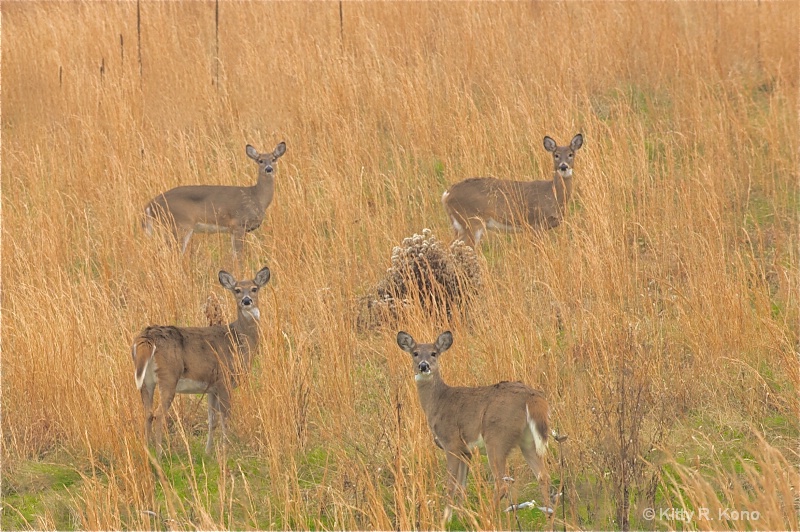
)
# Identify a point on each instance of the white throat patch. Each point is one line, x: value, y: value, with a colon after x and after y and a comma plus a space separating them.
x: 254, y: 313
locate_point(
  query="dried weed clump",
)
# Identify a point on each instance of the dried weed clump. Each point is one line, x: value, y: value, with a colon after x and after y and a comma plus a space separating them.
x: 213, y: 310
x: 442, y: 280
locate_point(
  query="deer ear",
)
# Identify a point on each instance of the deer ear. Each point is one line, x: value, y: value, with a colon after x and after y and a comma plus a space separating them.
x: 280, y: 149
x: 406, y: 342
x: 577, y: 142
x: 550, y: 144
x: 444, y: 341
x: 251, y: 152
x: 226, y: 280
x: 262, y: 277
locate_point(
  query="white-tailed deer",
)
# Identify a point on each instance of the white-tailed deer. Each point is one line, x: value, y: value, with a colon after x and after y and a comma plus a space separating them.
x: 217, y: 208
x: 480, y: 203
x: 198, y: 360
x: 502, y: 416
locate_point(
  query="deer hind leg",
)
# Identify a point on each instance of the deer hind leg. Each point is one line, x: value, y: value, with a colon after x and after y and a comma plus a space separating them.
x: 474, y: 229
x: 167, y: 395
x: 498, y: 454
x: 539, y: 468
x: 457, y: 470
x: 147, y: 392
x: 463, y: 228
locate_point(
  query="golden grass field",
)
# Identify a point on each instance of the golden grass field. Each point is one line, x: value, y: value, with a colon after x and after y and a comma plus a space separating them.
x: 661, y: 319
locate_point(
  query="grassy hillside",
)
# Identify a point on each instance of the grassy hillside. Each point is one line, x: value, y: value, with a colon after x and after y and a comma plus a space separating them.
x: 661, y: 319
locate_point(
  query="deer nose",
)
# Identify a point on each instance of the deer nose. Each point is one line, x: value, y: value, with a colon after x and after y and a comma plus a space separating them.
x: 424, y: 367
x: 246, y: 301
x: 268, y: 168
x: 563, y: 167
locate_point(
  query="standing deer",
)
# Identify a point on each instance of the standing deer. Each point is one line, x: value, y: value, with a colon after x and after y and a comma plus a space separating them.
x: 197, y: 360
x: 502, y: 416
x: 479, y: 203
x: 217, y: 208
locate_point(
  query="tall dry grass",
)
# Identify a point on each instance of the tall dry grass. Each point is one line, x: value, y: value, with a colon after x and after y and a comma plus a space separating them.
x: 664, y: 307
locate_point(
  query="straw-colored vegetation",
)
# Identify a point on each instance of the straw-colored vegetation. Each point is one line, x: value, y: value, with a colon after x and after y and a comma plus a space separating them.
x: 661, y: 319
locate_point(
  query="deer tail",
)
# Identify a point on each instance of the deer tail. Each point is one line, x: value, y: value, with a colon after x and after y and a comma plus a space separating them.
x: 537, y: 411
x: 141, y: 358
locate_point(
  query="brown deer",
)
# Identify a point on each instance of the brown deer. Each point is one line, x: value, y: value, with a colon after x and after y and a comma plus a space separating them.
x: 502, y: 417
x: 198, y: 360
x: 217, y: 208
x: 480, y: 203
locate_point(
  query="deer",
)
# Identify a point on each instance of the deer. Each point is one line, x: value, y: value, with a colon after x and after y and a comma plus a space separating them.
x: 500, y: 417
x: 198, y: 360
x: 188, y: 209
x: 480, y: 203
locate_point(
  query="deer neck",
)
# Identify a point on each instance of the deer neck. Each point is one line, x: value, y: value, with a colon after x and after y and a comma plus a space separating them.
x: 430, y: 390
x: 563, y: 188
x: 245, y: 334
x: 264, y: 189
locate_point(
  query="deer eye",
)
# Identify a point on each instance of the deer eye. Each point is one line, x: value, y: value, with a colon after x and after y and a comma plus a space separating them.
x: 237, y: 290
x: 416, y: 354
x: 434, y: 355
x: 253, y: 290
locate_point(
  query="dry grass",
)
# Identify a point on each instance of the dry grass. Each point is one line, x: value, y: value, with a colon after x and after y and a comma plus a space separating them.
x: 664, y: 308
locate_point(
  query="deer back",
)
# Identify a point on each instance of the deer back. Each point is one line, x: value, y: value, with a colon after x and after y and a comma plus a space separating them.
x: 210, y: 207
x: 194, y: 353
x: 220, y: 208
x: 503, y: 203
x: 461, y: 417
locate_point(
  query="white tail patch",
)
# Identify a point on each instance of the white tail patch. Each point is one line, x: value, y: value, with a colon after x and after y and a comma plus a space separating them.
x: 538, y: 439
x: 139, y: 376
x: 148, y: 220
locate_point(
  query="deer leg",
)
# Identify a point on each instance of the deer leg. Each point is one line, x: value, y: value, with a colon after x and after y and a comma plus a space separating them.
x: 498, y: 454
x: 213, y: 408
x: 539, y: 468
x: 457, y: 470
x: 474, y: 230
x: 237, y: 239
x: 147, y: 400
x: 224, y: 409
x: 167, y: 395
x: 459, y: 227
x: 184, y: 240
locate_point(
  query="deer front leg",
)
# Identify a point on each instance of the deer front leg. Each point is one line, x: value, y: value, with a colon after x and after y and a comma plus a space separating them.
x: 213, y: 409
x: 183, y: 237
x: 221, y: 402
x: 237, y: 239
x: 457, y: 469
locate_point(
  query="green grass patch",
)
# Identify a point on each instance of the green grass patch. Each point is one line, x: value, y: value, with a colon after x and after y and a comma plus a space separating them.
x: 36, y: 490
